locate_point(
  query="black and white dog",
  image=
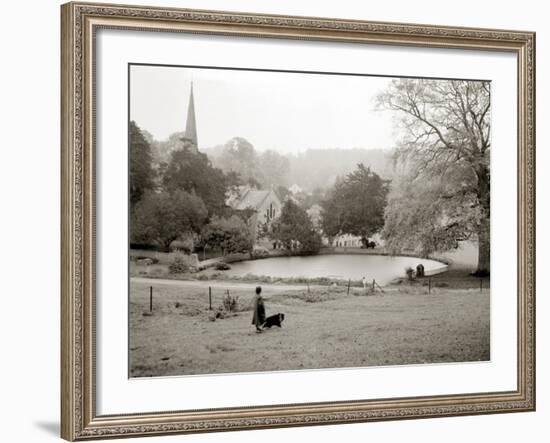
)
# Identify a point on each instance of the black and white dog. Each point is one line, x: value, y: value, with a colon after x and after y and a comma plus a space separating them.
x: 274, y: 320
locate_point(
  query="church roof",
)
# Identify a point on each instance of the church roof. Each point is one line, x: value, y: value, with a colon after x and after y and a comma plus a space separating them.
x: 251, y: 198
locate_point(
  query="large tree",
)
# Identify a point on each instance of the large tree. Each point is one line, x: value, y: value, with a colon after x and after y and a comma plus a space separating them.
x: 160, y: 218
x: 446, y: 129
x: 355, y: 204
x: 274, y: 168
x: 260, y: 170
x: 192, y: 172
x: 141, y: 170
x: 239, y: 156
x: 425, y: 215
x: 295, y: 230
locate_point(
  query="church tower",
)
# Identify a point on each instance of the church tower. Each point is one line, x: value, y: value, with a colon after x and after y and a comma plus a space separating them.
x: 190, y: 139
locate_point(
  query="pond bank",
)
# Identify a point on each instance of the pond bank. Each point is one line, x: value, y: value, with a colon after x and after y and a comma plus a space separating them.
x: 345, y: 268
x: 333, y: 267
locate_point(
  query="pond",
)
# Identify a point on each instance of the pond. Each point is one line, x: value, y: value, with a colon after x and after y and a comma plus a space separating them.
x: 338, y: 266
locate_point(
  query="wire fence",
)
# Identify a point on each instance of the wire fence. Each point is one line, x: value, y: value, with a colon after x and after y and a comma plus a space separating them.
x: 427, y: 285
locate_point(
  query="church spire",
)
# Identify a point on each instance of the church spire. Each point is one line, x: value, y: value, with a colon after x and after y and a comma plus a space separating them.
x: 191, y: 125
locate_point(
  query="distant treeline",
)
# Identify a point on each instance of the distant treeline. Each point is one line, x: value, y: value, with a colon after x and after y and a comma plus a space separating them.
x: 310, y: 169
x: 318, y: 168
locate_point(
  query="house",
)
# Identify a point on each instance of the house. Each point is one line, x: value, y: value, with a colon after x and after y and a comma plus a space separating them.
x: 347, y: 241
x: 264, y: 206
x: 354, y: 241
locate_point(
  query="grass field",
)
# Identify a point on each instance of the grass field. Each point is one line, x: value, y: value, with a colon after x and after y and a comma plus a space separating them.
x: 324, y: 328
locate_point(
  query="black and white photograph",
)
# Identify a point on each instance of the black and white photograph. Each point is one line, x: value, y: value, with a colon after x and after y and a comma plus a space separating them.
x: 285, y: 220
x: 275, y: 221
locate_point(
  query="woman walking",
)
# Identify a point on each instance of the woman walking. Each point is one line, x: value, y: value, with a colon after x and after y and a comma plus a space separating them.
x: 258, y: 317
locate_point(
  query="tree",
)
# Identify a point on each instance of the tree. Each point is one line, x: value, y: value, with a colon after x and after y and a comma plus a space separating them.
x: 421, y: 218
x: 192, y: 172
x: 446, y: 126
x: 355, y: 204
x: 315, y: 198
x: 161, y: 218
x: 230, y: 234
x: 141, y: 170
x: 295, y: 230
x: 239, y: 156
x: 162, y: 150
x: 274, y: 169
x: 282, y: 192
x: 319, y: 168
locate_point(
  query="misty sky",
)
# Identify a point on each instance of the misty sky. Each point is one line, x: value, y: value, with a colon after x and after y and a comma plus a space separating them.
x: 288, y: 112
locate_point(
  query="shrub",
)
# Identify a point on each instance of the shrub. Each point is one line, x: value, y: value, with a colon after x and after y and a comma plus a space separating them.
x: 179, y: 264
x: 221, y: 266
x: 231, y: 235
x: 230, y: 302
x: 259, y: 253
x: 315, y: 295
x: 142, y: 259
x: 160, y: 218
x: 409, y: 272
x: 144, y: 262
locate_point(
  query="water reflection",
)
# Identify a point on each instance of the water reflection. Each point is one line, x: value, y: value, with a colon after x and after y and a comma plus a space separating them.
x: 381, y: 268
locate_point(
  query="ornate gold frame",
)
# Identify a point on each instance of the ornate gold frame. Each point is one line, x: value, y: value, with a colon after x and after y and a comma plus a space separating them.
x: 79, y: 420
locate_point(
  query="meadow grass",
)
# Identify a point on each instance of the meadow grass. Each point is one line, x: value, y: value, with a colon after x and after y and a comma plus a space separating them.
x: 324, y: 328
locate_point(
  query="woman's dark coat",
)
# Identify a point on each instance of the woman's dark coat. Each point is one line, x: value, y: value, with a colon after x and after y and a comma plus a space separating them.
x: 258, y: 317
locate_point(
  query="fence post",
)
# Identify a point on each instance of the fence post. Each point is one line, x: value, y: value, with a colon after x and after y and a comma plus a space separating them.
x: 429, y: 285
x: 150, y: 299
x: 480, y: 285
x: 210, y: 298
x: 373, y: 283
x: 307, y: 283
x: 349, y: 283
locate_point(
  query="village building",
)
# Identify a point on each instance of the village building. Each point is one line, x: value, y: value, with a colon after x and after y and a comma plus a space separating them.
x: 264, y: 206
x: 354, y: 241
x: 347, y: 241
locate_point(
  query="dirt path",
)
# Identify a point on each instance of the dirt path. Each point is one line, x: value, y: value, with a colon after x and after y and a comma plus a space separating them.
x: 215, y: 284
